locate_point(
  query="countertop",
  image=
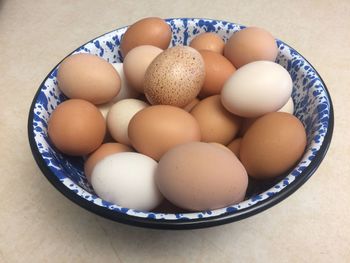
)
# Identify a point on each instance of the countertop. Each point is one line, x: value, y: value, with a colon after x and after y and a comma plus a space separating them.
x: 38, y: 224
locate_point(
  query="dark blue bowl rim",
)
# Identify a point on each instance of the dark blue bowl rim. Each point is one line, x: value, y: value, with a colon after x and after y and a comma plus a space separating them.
x: 183, y: 223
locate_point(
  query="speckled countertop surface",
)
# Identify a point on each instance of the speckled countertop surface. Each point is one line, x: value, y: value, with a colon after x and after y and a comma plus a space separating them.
x: 38, y: 224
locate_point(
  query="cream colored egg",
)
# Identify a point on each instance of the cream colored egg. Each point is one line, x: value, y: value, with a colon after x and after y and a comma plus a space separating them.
x: 257, y: 88
x: 126, y: 91
x: 88, y: 77
x: 119, y: 116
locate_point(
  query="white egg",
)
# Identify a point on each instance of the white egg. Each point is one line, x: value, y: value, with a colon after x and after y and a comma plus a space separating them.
x: 119, y: 116
x: 127, y: 179
x: 288, y: 107
x: 257, y: 88
x: 126, y: 92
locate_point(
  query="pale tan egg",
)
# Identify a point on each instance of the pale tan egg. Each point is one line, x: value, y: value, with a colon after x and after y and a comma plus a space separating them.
x: 221, y: 146
x: 136, y: 63
x: 175, y: 77
x: 88, y: 77
x: 201, y: 176
x: 119, y: 117
x: 208, y: 41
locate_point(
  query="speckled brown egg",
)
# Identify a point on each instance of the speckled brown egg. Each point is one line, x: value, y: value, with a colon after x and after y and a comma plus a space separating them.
x: 201, y: 176
x: 156, y: 129
x: 76, y: 127
x: 216, y: 123
x: 147, y: 31
x: 272, y: 145
x: 174, y: 77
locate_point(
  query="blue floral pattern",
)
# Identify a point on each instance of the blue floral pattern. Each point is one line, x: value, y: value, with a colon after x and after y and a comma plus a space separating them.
x: 312, y: 107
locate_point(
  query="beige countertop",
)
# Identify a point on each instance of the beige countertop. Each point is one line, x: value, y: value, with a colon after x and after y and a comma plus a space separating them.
x: 38, y: 224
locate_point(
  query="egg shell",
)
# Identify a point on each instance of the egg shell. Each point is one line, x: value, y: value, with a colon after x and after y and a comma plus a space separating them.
x: 88, y: 77
x: 256, y: 89
x: 215, y: 122
x: 272, y: 145
x: 235, y: 145
x: 103, y: 151
x: 127, y: 179
x: 156, y: 129
x: 76, y: 127
x: 208, y: 41
x: 126, y: 92
x: 221, y: 146
x: 288, y: 107
x: 136, y: 63
x: 119, y: 117
x: 217, y: 70
x: 200, y: 176
x: 191, y: 105
x: 175, y: 77
x: 152, y: 31
x: 247, y: 122
x: 249, y: 45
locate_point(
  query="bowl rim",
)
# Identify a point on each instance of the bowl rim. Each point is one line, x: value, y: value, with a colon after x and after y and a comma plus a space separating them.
x: 181, y: 223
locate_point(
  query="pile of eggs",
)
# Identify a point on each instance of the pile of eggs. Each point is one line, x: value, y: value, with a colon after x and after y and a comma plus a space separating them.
x: 187, y: 125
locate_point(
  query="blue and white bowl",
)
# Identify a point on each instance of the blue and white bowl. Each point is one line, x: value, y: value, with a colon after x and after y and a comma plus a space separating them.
x: 313, y: 107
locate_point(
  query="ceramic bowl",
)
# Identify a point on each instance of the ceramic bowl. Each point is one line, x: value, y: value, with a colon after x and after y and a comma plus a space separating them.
x: 313, y: 107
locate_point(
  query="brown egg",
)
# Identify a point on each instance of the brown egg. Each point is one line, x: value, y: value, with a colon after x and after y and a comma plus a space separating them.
x: 103, y: 151
x: 235, y: 145
x: 246, y: 123
x: 156, y: 129
x: 136, y: 63
x: 76, y: 127
x: 215, y: 122
x: 250, y: 44
x: 200, y: 176
x: 208, y: 41
x: 191, y: 105
x: 217, y: 70
x: 88, y: 77
x: 147, y: 31
x: 174, y: 77
x: 272, y: 145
